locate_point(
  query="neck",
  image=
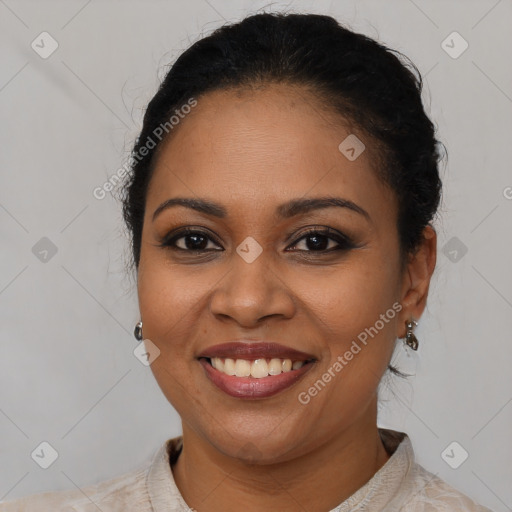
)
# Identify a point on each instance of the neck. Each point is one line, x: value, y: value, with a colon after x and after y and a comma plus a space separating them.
x: 316, y: 481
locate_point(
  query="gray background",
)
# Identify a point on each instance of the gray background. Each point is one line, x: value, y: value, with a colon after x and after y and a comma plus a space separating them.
x: 68, y: 375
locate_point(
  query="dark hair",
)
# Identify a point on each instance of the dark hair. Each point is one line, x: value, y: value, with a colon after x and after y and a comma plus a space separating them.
x: 349, y: 73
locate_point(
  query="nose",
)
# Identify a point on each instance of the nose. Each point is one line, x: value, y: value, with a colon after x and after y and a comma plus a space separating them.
x: 251, y: 292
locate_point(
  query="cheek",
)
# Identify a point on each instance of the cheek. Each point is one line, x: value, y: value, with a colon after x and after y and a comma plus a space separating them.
x: 354, y: 297
x: 358, y: 322
x: 168, y: 296
x: 169, y: 299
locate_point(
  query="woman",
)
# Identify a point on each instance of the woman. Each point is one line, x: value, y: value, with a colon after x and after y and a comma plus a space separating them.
x: 280, y: 207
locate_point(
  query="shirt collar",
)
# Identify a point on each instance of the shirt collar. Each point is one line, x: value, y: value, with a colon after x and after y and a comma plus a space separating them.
x: 377, y: 492
x: 385, y: 484
x: 161, y: 487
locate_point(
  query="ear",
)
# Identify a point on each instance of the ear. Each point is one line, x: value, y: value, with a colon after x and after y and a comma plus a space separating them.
x: 416, y: 279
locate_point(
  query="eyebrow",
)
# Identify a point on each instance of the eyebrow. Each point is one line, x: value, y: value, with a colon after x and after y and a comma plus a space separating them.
x: 285, y: 211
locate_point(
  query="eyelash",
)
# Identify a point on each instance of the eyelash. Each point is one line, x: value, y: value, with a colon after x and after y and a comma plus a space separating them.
x: 344, y: 242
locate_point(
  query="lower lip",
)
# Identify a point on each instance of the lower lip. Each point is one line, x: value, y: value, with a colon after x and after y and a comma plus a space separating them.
x: 250, y: 387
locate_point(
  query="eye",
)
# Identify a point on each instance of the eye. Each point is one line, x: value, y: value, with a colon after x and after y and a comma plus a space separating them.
x: 189, y: 240
x: 323, y: 240
x: 319, y: 240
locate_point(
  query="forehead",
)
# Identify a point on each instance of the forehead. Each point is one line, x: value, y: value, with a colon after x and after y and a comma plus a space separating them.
x: 249, y: 148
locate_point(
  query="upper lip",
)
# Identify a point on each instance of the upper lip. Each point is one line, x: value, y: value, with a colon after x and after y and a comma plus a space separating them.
x: 250, y: 351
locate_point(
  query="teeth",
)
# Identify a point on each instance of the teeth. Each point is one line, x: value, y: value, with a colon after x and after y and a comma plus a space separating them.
x: 229, y: 366
x: 258, y: 368
x: 242, y: 368
x: 275, y: 366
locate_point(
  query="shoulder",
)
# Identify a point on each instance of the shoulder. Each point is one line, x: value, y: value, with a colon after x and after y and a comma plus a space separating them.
x: 127, y: 489
x: 429, y: 493
x: 150, y: 482
x: 406, y: 486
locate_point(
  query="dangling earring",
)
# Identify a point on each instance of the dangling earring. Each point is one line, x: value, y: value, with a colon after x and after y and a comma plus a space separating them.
x: 138, y: 331
x: 410, y: 338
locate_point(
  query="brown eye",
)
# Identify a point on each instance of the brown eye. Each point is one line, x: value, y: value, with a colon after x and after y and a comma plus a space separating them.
x: 324, y: 240
x: 319, y: 241
x: 189, y: 240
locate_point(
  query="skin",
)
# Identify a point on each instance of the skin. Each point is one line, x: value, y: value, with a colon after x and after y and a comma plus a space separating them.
x: 251, y: 151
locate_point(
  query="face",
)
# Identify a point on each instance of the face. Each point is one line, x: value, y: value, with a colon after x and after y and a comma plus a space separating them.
x: 315, y: 279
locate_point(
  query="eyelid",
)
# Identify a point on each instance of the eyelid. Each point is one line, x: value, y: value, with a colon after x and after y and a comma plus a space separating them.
x: 343, y: 241
x: 174, y: 235
x: 317, y: 228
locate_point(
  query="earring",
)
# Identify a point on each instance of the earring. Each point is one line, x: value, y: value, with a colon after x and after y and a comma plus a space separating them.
x: 138, y: 331
x: 410, y: 338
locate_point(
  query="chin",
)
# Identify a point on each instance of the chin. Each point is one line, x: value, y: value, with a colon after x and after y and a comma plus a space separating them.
x: 255, y: 448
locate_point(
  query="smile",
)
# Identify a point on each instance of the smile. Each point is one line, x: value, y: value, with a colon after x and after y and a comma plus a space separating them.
x: 258, y: 378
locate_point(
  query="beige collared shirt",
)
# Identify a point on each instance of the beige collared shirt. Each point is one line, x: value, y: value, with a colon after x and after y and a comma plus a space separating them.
x: 400, y: 485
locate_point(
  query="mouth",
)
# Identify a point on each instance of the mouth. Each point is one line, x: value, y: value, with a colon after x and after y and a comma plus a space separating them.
x: 256, y: 370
